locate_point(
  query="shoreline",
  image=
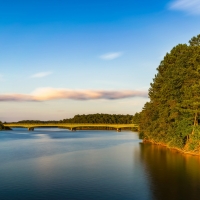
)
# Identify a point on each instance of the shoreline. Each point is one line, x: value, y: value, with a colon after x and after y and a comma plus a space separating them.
x: 172, y: 148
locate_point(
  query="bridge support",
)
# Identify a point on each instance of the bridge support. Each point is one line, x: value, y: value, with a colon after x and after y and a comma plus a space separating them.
x: 73, y: 129
x: 119, y: 129
x: 31, y: 129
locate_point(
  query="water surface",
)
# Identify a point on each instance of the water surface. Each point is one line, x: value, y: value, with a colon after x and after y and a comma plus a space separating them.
x: 59, y: 164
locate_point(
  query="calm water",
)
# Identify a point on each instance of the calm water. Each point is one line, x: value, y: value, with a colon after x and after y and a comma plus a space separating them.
x: 59, y: 164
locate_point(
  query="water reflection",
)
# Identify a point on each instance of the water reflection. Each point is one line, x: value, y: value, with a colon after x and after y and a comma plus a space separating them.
x: 59, y: 164
x: 64, y: 165
x: 172, y: 175
x: 21, y: 144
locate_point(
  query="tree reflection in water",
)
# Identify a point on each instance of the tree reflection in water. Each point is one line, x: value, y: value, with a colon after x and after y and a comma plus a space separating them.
x: 172, y: 175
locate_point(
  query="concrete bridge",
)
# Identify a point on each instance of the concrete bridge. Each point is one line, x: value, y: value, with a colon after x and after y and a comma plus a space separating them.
x: 71, y: 126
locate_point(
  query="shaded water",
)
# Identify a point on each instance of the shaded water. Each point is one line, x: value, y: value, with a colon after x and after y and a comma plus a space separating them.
x: 59, y: 164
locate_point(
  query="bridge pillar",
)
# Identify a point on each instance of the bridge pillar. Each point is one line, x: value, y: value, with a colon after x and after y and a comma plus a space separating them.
x: 31, y: 129
x: 119, y: 129
x: 73, y: 129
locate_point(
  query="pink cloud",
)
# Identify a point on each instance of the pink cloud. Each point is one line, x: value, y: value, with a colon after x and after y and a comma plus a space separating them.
x: 46, y: 94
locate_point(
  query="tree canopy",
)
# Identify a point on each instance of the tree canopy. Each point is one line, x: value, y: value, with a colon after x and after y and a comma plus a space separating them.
x: 90, y: 118
x: 172, y: 115
x: 100, y: 118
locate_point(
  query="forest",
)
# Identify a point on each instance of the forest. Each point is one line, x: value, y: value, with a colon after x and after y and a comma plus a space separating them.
x: 172, y: 115
x: 100, y: 118
x: 90, y: 118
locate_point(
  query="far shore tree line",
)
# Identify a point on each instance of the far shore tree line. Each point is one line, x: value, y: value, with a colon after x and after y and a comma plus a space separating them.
x: 90, y: 118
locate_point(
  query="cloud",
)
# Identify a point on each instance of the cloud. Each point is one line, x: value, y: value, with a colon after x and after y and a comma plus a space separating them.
x: 111, y: 55
x: 46, y: 94
x: 41, y: 74
x: 190, y: 6
x: 16, y: 97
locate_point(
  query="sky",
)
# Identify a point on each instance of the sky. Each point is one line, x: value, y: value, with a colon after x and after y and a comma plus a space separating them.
x: 59, y: 58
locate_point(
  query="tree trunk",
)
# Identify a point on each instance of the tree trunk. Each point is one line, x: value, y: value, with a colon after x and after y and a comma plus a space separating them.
x: 195, y: 121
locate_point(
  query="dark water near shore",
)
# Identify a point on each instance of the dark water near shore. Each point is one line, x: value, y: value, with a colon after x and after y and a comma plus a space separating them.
x: 57, y: 164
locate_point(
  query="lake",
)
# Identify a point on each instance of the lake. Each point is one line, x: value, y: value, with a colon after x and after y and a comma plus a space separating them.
x: 57, y: 164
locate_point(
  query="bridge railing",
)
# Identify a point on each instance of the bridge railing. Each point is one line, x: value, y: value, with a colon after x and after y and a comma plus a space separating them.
x: 69, y: 124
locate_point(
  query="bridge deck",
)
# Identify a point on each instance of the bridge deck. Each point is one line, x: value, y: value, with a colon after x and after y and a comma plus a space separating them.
x: 69, y: 125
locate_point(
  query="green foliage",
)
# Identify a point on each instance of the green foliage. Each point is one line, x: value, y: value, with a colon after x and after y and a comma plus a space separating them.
x: 195, y: 41
x: 2, y: 127
x: 173, y: 113
x: 91, y: 118
x: 100, y: 118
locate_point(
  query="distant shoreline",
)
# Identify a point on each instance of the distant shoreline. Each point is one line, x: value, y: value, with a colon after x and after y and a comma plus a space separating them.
x: 6, y: 129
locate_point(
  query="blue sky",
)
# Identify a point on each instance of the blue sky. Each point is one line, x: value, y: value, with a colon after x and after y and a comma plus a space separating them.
x: 65, y: 57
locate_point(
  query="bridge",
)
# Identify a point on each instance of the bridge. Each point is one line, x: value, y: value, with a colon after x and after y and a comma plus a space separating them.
x: 71, y: 126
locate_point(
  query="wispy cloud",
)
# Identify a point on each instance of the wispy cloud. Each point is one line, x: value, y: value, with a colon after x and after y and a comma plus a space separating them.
x: 41, y: 74
x: 190, y: 6
x: 111, y: 55
x: 45, y: 94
